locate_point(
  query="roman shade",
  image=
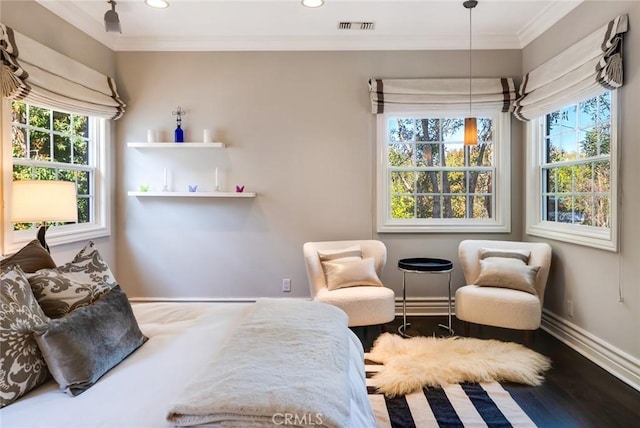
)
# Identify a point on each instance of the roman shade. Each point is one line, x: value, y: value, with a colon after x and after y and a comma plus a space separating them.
x: 41, y: 76
x: 579, y: 72
x: 407, y: 95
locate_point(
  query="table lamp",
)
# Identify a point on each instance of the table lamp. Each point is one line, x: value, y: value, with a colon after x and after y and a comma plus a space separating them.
x: 42, y: 201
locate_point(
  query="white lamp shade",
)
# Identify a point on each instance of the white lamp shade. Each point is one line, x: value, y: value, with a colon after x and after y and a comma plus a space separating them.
x: 43, y: 200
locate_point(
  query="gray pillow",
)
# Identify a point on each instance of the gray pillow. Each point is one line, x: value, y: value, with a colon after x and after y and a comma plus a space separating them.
x: 30, y: 258
x: 22, y: 367
x: 72, y: 285
x: 88, y: 342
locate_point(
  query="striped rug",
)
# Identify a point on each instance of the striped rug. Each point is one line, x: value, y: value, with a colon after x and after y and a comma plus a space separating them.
x: 456, y: 405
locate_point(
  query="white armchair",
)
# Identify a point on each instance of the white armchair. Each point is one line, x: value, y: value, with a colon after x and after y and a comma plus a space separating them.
x: 501, y: 306
x: 365, y: 305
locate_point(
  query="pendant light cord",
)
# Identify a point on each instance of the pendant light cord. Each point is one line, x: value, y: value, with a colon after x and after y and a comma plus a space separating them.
x: 470, y: 48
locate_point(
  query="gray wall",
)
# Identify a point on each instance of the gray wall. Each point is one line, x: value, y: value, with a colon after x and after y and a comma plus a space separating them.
x: 300, y: 134
x: 591, y: 277
x: 38, y: 23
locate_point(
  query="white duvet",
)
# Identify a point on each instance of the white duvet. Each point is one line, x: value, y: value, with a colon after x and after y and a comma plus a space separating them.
x: 139, y: 391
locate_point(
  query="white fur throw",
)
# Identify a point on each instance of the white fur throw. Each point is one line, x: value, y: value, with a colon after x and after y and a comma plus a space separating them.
x: 411, y: 364
x: 287, y: 357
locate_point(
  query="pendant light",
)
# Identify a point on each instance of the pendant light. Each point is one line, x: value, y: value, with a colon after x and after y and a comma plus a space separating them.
x: 470, y: 123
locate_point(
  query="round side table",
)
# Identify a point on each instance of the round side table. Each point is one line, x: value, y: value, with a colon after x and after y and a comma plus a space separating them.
x: 423, y: 265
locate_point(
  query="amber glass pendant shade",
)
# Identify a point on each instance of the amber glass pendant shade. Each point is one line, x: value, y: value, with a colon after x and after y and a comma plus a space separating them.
x: 470, y: 131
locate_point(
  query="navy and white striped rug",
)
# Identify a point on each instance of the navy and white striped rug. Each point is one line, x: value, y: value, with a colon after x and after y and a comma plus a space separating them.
x: 456, y: 405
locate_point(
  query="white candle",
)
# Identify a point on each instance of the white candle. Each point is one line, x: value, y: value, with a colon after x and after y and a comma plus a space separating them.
x: 216, y: 178
x: 206, y: 136
x: 151, y: 136
x: 165, y: 177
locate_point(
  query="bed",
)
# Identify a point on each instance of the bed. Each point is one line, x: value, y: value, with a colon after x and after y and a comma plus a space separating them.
x: 190, y: 349
x: 140, y: 391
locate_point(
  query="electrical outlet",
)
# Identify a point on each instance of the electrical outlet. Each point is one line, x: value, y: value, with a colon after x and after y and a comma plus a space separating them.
x: 570, y: 308
x: 286, y: 285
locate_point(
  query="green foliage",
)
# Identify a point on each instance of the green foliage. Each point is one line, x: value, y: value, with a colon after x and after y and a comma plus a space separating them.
x: 433, y: 175
x: 40, y: 136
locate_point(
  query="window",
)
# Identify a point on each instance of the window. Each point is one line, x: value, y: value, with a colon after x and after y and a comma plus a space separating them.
x: 428, y: 181
x: 574, y: 170
x: 48, y: 144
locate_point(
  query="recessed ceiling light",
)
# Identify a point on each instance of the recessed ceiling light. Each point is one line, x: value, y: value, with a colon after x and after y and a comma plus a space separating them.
x: 159, y: 4
x: 312, y: 3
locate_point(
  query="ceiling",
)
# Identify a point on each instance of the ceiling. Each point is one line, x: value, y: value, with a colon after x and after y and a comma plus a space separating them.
x: 208, y: 25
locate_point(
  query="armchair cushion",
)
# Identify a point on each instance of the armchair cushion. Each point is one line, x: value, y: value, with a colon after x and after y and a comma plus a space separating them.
x: 350, y: 272
x: 507, y: 273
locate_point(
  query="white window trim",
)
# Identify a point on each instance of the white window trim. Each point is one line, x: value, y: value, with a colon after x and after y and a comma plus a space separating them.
x: 100, y: 227
x: 502, y: 182
x: 589, y: 236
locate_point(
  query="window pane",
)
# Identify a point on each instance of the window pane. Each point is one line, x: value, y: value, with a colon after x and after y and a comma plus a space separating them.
x: 82, y: 180
x: 604, y: 107
x: 451, y: 130
x: 40, y: 145
x: 428, y: 154
x: 432, y: 127
x: 564, y: 210
x: 61, y: 122
x: 80, y: 151
x: 80, y: 126
x: 602, y: 212
x: 401, y: 154
x: 481, y: 206
x: 402, y: 206
x: 21, y: 172
x: 45, y: 174
x: 604, y: 138
x: 455, y: 206
x: 551, y: 208
x: 454, y: 155
x: 481, y: 155
x: 19, y: 142
x: 602, y: 178
x: 18, y: 112
x: 61, y: 149
x: 583, y: 210
x: 428, y: 207
x: 583, y: 178
x: 480, y: 182
x: 84, y: 210
x: 39, y: 117
x: 549, y: 179
x: 429, y: 182
x: 454, y: 182
x: 563, y: 178
x: 402, y: 182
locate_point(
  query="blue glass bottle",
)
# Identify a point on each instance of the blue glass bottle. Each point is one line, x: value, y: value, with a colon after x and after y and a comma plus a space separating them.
x: 179, y: 135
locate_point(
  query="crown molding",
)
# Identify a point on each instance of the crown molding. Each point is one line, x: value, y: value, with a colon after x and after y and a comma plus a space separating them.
x: 327, y: 43
x: 545, y: 19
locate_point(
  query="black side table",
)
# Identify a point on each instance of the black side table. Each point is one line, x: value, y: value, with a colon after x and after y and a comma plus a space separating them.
x: 423, y: 265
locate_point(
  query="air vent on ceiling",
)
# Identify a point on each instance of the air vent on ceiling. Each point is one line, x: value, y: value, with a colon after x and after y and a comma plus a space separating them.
x: 350, y: 25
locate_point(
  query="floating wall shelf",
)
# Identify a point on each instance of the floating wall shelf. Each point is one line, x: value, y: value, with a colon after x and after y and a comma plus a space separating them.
x: 193, y: 194
x: 176, y: 145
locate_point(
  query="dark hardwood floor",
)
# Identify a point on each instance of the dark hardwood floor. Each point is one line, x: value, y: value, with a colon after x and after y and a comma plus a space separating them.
x: 576, y: 392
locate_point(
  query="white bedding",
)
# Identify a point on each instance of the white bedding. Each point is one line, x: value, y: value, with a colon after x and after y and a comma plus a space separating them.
x: 138, y: 392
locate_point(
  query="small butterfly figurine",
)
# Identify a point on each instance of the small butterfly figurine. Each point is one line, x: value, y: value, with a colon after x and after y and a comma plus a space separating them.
x: 239, y: 189
x: 193, y: 188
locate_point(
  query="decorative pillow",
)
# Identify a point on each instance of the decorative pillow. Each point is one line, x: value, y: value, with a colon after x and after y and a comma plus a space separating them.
x: 352, y: 253
x: 30, y: 258
x: 507, y: 273
x: 88, y: 342
x: 523, y: 255
x: 73, y: 285
x: 22, y: 367
x: 351, y: 273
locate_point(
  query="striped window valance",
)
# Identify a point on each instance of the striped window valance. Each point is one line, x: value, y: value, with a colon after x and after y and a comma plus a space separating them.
x: 39, y: 75
x: 407, y: 95
x: 582, y: 70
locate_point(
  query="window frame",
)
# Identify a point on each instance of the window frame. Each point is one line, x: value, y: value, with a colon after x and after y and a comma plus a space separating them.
x: 535, y: 224
x: 501, y: 223
x: 99, y: 226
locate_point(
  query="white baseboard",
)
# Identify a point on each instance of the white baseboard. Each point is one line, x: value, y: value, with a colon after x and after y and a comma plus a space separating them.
x: 617, y: 362
x: 204, y: 299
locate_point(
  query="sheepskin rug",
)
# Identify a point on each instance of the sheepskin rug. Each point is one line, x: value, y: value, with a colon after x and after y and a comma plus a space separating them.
x: 411, y: 364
